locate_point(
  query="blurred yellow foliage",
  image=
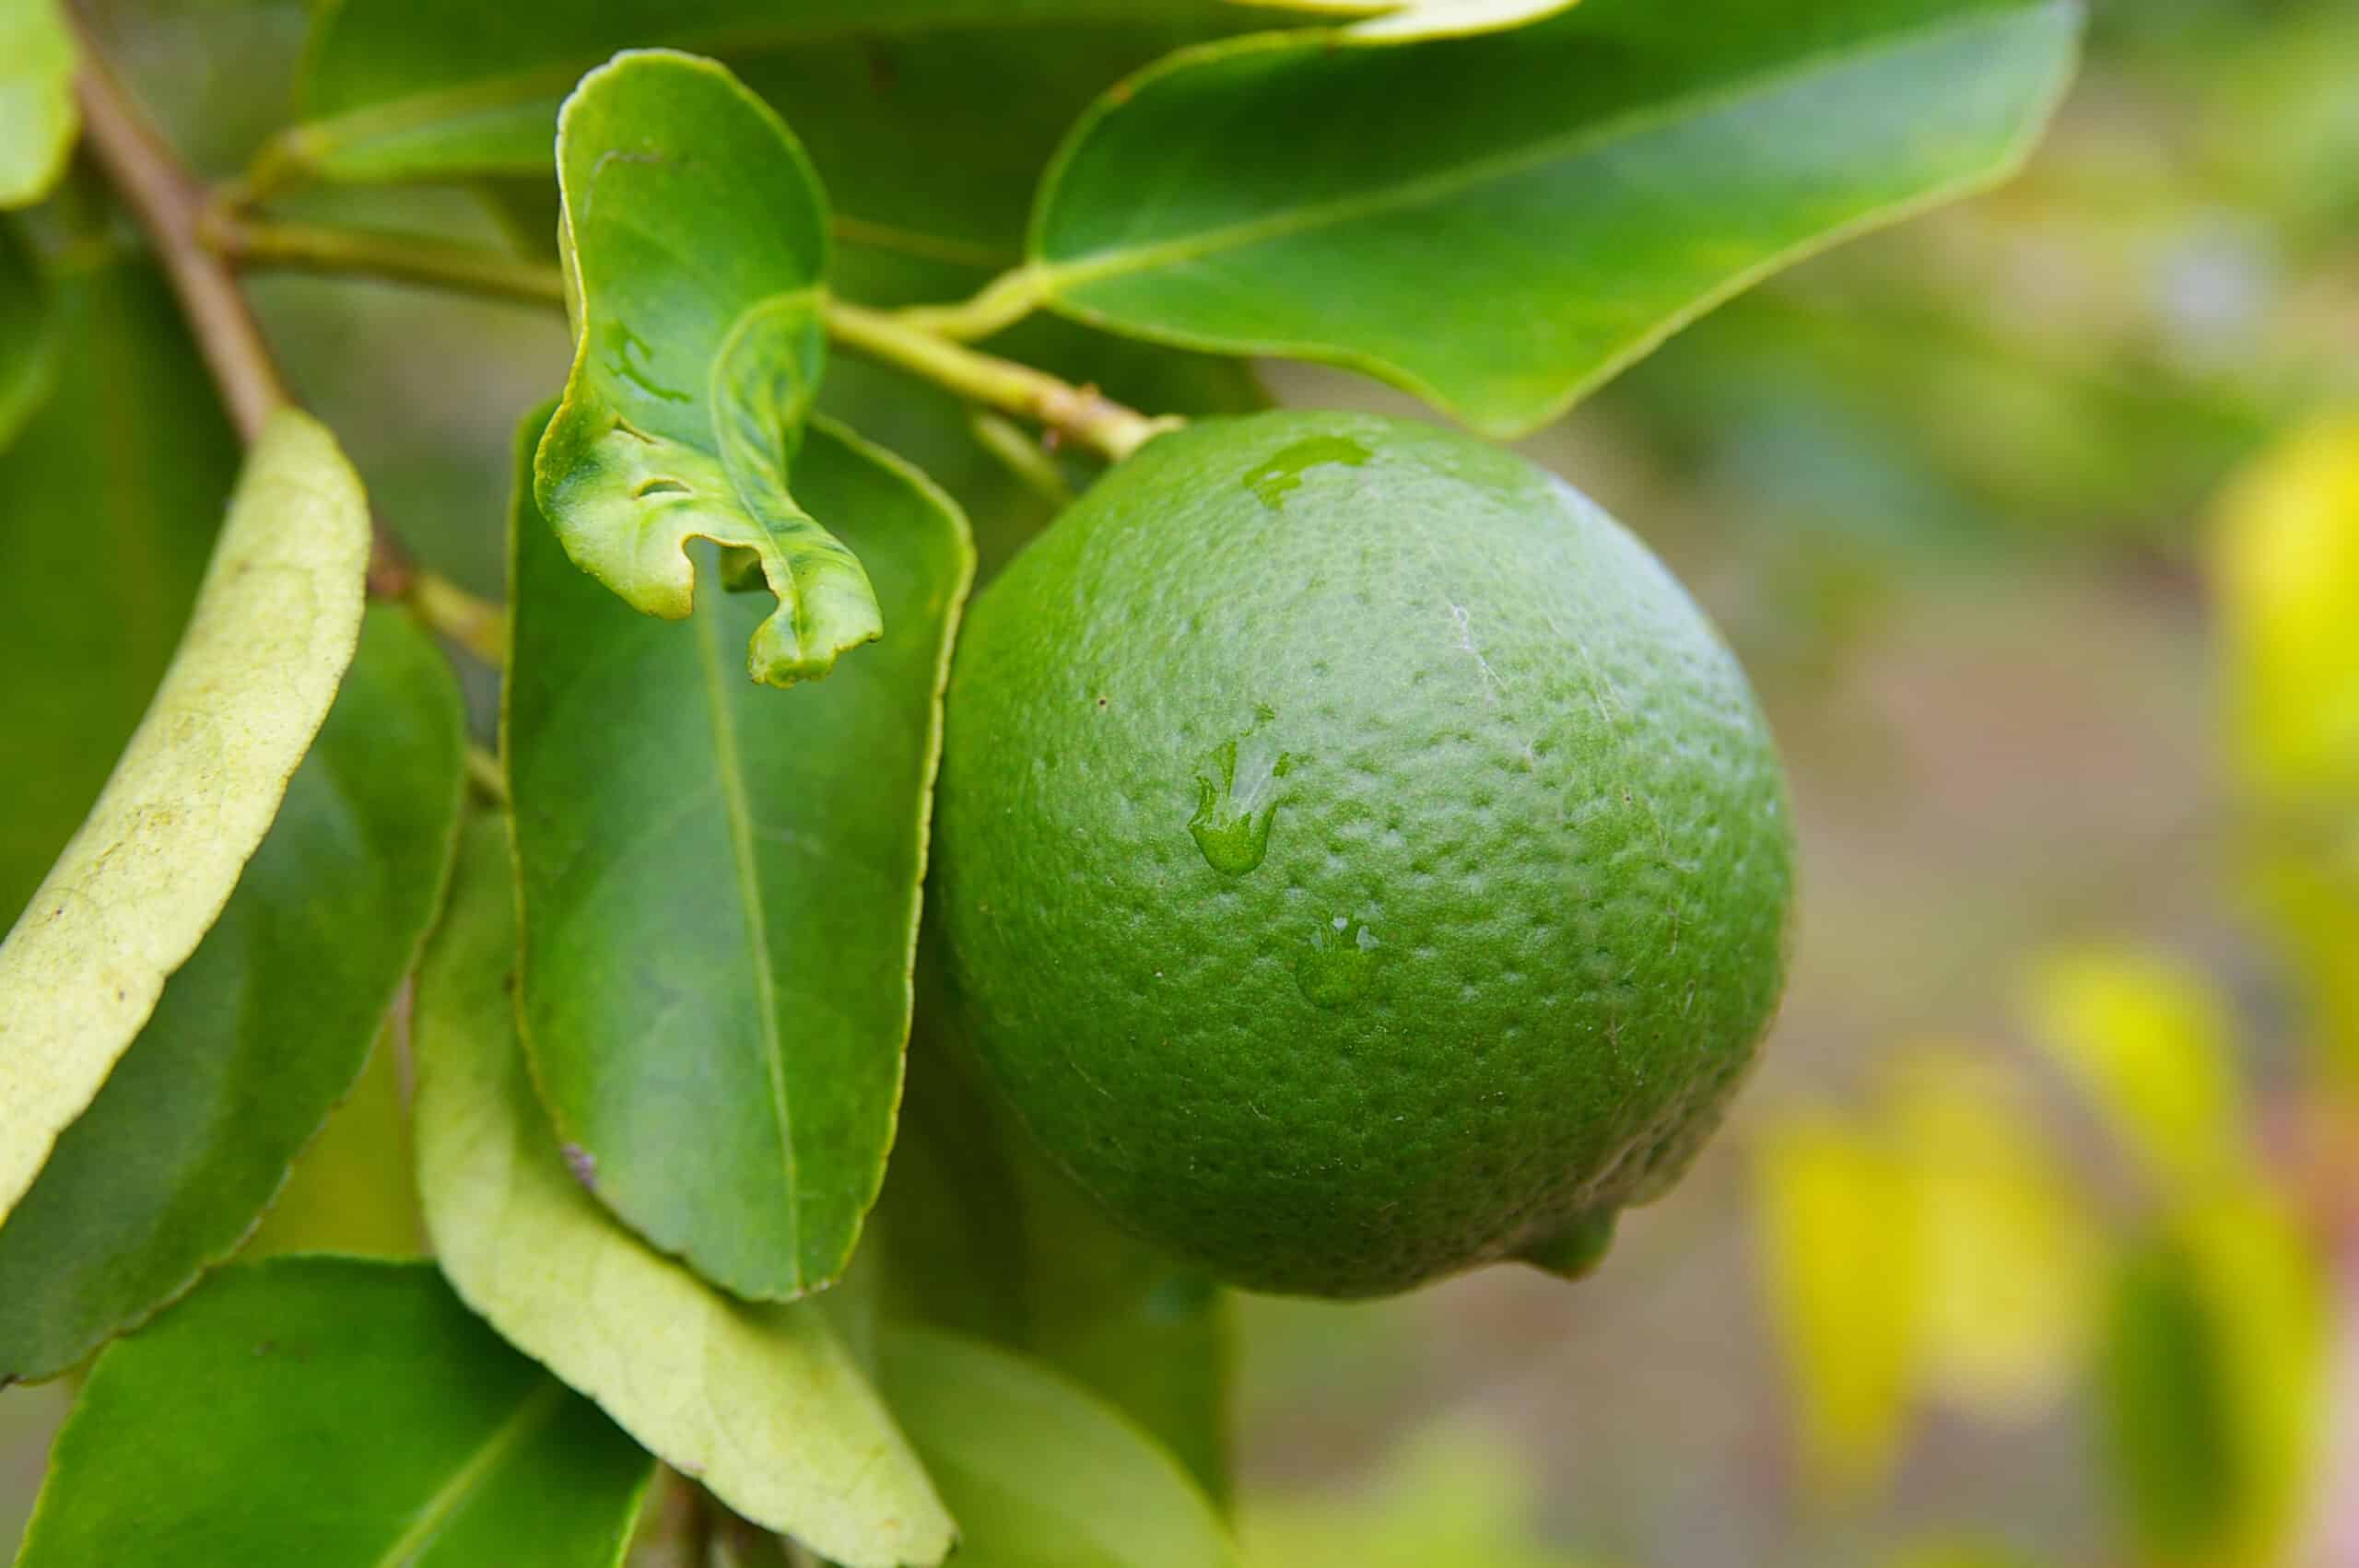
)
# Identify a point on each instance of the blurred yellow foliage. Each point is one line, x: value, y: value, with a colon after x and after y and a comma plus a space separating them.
x: 1838, y: 1233
x: 2011, y: 1255
x: 2149, y: 1045
x: 2286, y: 575
x: 2286, y: 572
x: 1930, y: 1248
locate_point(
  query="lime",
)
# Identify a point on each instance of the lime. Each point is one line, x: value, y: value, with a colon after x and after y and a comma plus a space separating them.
x: 1357, y: 857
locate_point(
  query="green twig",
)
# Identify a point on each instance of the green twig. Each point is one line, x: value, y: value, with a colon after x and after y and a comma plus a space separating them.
x: 476, y: 625
x: 1022, y: 456
x: 1081, y: 413
x: 1001, y: 303
x: 304, y: 247
x: 484, y: 774
x: 896, y: 338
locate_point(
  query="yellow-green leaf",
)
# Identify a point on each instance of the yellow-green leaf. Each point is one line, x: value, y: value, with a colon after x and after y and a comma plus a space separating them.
x: 274, y: 626
x: 761, y: 1404
x: 2010, y: 1255
x: 2149, y: 1045
x: 2286, y: 564
x: 2213, y: 1384
x: 38, y: 117
x: 1840, y: 1234
x: 1039, y: 1471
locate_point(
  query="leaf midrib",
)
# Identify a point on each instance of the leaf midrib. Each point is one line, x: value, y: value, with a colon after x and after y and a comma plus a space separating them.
x: 536, y: 1411
x: 730, y: 762
x: 1100, y: 265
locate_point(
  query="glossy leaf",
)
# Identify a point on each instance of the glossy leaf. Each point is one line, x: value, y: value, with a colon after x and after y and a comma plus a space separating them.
x: 1846, y: 1290
x: 2149, y: 1044
x: 718, y: 886
x: 1038, y: 1473
x: 1519, y: 215
x: 260, y: 1033
x: 695, y: 236
x: 410, y: 89
x: 92, y: 640
x: 762, y: 1405
x: 38, y: 115
x: 276, y: 623
x: 336, y: 1414
x: 28, y: 335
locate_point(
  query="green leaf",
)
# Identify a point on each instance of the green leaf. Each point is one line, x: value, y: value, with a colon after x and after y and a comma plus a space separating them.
x: 38, y: 115
x: 695, y: 235
x: 2161, y: 1418
x: 331, y: 1412
x: 718, y: 886
x: 417, y: 89
x: 1039, y: 1474
x: 762, y: 1405
x: 28, y: 336
x: 1498, y: 224
x: 260, y: 1033
x: 107, y: 541
x: 275, y: 625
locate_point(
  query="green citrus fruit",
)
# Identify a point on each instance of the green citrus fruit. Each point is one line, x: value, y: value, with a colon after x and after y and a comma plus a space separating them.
x: 1358, y: 860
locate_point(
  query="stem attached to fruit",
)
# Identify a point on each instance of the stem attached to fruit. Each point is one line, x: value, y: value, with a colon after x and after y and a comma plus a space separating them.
x: 899, y: 338
x: 169, y: 206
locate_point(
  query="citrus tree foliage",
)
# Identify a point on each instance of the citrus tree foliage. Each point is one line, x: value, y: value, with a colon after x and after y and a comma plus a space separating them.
x: 825, y: 265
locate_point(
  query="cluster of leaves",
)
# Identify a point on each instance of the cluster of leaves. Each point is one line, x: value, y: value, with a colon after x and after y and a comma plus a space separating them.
x: 1941, y: 1248
x: 658, y: 995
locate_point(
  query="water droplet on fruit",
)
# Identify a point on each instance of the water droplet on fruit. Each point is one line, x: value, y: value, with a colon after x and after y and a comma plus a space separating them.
x: 1237, y: 799
x: 1284, y: 469
x: 1335, y: 972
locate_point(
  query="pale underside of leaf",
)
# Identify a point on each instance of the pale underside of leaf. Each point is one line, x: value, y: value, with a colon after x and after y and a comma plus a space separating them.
x: 1025, y: 1455
x: 763, y: 1405
x: 38, y: 116
x: 1577, y: 250
x: 275, y: 625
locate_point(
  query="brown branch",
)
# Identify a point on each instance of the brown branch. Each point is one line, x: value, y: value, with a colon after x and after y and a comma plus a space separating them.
x: 169, y: 204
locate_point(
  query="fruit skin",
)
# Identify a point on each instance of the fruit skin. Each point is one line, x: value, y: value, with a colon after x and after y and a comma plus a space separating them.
x: 1522, y: 910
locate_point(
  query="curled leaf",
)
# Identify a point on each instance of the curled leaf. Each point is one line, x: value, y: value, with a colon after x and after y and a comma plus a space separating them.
x: 694, y: 235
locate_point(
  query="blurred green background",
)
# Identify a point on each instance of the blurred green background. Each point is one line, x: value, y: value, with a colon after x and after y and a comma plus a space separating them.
x: 2036, y: 1238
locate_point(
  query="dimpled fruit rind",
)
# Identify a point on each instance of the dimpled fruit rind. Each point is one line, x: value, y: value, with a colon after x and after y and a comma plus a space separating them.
x: 1357, y: 858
